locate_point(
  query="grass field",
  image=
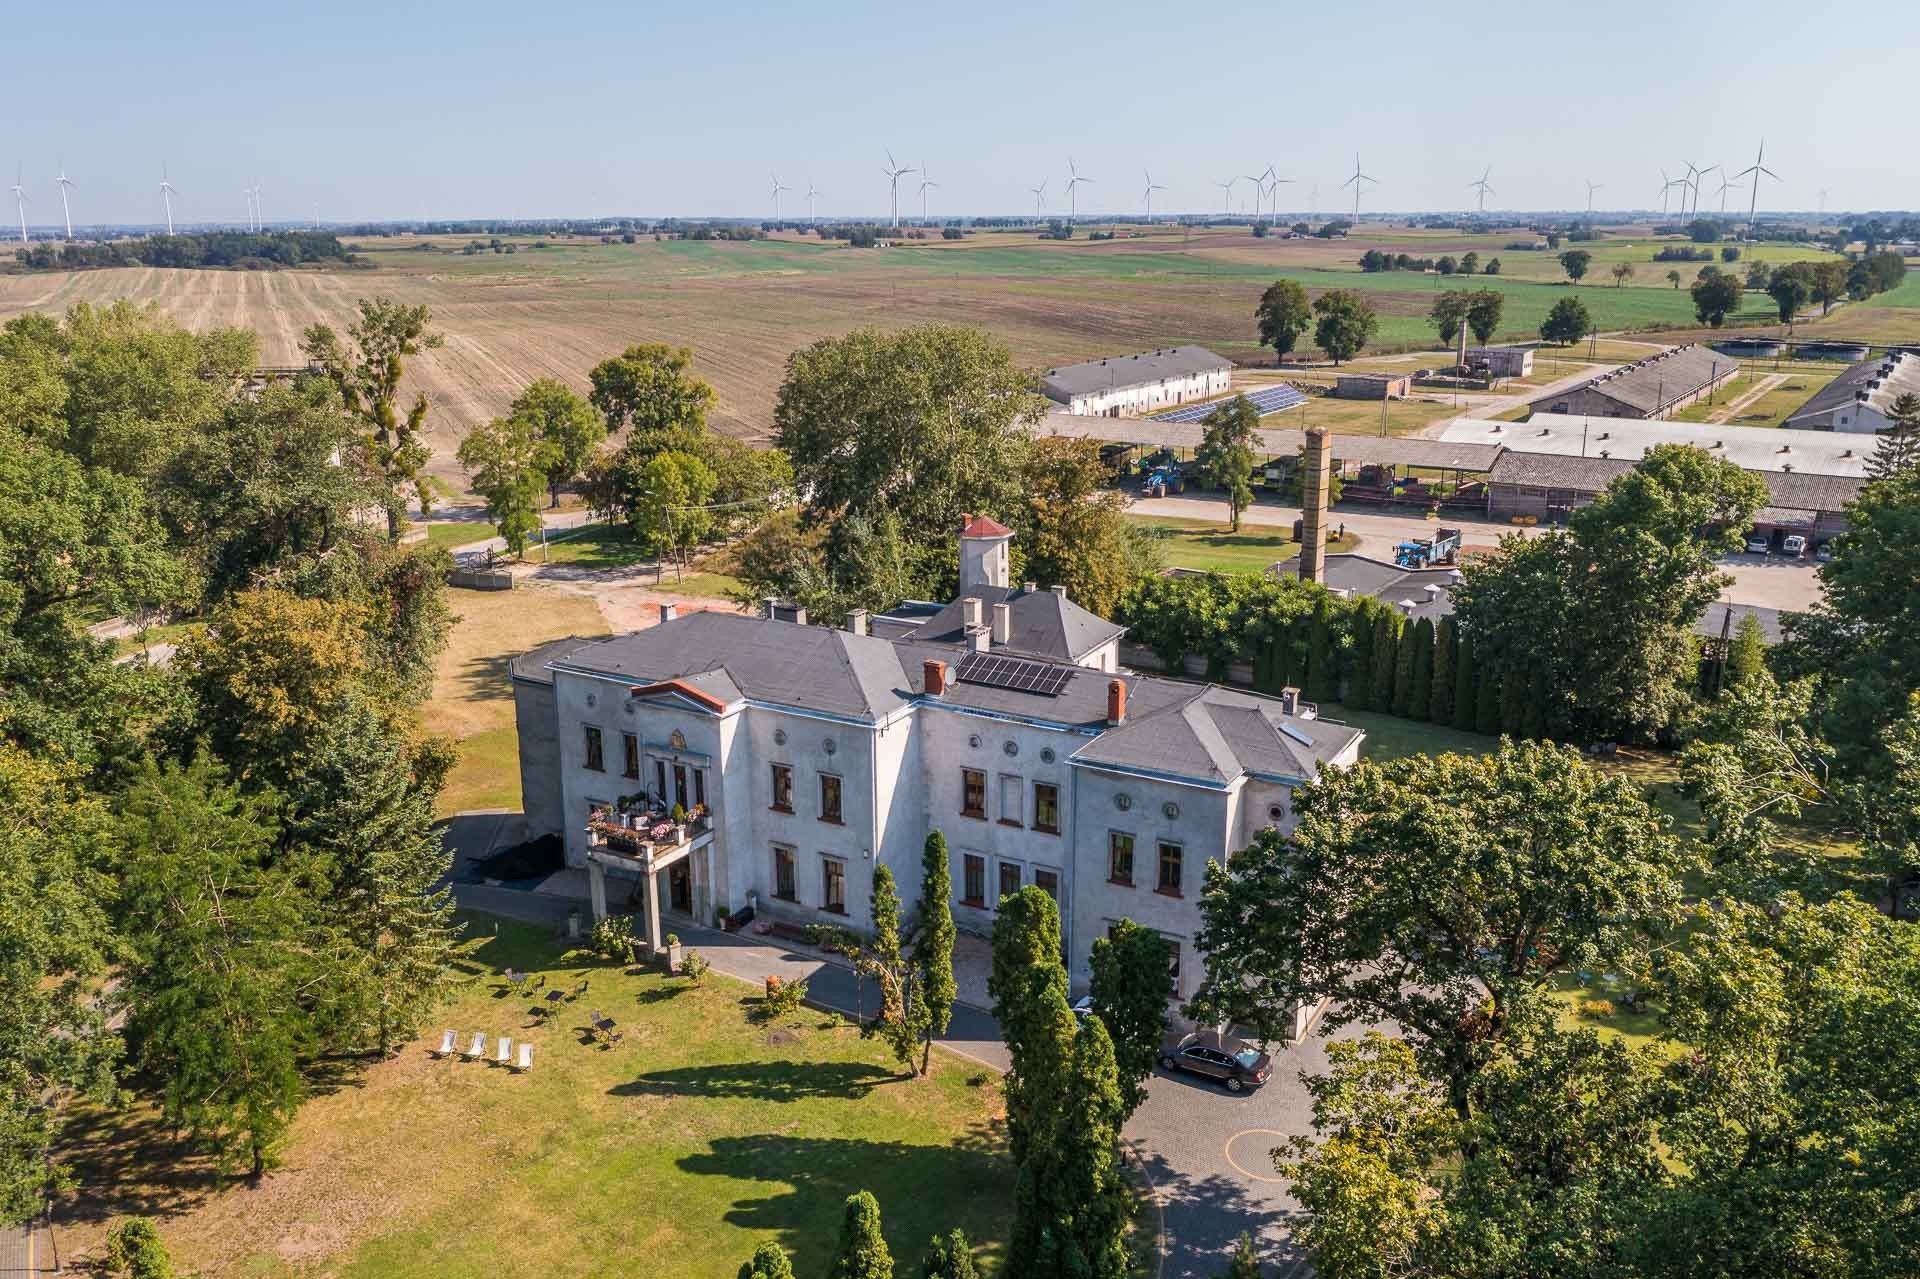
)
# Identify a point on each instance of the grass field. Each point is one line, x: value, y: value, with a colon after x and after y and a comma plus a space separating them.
x: 1214, y: 548
x: 472, y: 701
x: 510, y: 318
x: 675, y: 1152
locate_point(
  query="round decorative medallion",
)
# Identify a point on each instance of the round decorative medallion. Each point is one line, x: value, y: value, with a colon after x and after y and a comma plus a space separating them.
x: 1276, y: 811
x: 677, y: 740
x: 827, y: 744
x: 590, y: 699
x: 973, y: 740
x: 1123, y: 801
x: 1046, y: 755
x: 1171, y: 809
x: 1011, y: 748
x: 779, y: 737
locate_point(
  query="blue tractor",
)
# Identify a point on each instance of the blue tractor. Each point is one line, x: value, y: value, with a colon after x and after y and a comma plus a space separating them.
x: 1429, y: 552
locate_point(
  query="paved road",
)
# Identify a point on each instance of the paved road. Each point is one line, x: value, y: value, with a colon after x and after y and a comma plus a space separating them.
x: 1204, y: 1149
x: 475, y: 553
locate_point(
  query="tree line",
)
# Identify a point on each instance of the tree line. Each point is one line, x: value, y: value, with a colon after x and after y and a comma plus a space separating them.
x: 263, y: 251
x: 241, y: 839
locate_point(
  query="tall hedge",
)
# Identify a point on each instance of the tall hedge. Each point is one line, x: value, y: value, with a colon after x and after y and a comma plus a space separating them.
x: 1386, y: 656
x: 1323, y: 660
x: 1486, y: 703
x: 1513, y: 703
x: 1403, y: 669
x: 1420, y: 680
x: 1360, y: 696
x: 1446, y: 641
x: 1465, y: 689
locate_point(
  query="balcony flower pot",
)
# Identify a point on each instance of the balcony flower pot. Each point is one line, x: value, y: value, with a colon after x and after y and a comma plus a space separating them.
x: 674, y: 954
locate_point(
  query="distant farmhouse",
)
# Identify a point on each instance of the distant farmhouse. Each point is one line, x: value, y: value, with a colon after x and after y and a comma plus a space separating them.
x: 1373, y: 386
x: 1501, y: 361
x: 1646, y: 388
x: 1861, y: 399
x: 1133, y: 385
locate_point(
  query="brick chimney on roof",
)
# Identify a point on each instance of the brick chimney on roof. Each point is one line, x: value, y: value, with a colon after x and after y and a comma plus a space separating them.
x: 933, y: 673
x: 1116, y: 702
x: 1315, y: 487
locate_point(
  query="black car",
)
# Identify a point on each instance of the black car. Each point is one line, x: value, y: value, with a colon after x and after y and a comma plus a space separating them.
x: 1209, y: 1053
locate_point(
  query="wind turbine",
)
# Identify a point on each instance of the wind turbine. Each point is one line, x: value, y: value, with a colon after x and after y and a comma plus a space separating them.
x: 1480, y: 185
x: 65, y: 182
x: 166, y: 196
x: 1357, y: 181
x: 1757, y: 170
x: 894, y: 173
x: 1073, y: 191
x: 1592, y: 186
x: 1725, y: 186
x: 1227, y: 187
x: 925, y: 183
x: 20, y: 201
x: 248, y: 192
x: 778, y: 187
x: 1274, y: 184
x: 1039, y: 200
x: 1152, y: 186
x: 812, y: 191
x: 1259, y: 187
x: 1666, y: 191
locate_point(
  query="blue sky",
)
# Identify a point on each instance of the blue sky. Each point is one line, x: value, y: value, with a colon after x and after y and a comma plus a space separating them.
x: 399, y: 111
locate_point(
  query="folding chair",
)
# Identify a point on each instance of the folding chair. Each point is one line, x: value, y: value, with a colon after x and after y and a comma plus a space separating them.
x: 505, y: 1055
x: 446, y: 1045
x: 478, y: 1048
x: 526, y: 1057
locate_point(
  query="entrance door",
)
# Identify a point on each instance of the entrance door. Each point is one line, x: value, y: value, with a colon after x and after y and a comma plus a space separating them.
x: 680, y: 888
x: 680, y: 785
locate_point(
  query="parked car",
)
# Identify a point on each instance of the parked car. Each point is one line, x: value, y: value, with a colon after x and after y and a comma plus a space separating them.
x: 1758, y: 544
x: 1823, y: 552
x: 1083, y: 1007
x: 1213, y: 1055
x: 1793, y: 546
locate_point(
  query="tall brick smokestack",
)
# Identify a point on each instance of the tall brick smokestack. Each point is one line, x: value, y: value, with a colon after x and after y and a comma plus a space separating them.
x: 1315, y: 485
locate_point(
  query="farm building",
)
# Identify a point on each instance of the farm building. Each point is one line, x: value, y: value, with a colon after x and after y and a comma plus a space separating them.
x: 1501, y: 361
x: 1373, y: 386
x: 1126, y: 385
x: 1646, y: 388
x: 1861, y: 399
x: 1757, y: 448
x: 1548, y: 487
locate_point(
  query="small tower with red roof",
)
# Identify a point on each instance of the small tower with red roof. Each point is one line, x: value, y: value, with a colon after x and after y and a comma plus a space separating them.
x: 984, y: 557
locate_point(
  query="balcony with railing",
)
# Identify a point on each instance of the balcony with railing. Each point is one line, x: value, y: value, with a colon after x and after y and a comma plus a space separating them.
x: 644, y: 838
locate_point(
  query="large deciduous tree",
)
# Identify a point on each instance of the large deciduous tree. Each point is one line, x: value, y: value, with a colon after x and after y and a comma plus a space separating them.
x: 1283, y: 315
x: 1439, y: 894
x: 1227, y: 450
x: 568, y: 427
x: 1076, y: 533
x: 1449, y: 313
x: 671, y: 513
x: 509, y: 465
x: 367, y: 368
x: 651, y: 389
x: 1717, y: 297
x: 1567, y: 322
x: 1575, y: 262
x: 1346, y: 323
x: 1483, y: 313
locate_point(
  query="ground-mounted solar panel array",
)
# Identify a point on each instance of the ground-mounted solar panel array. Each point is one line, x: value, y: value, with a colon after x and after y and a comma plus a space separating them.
x: 1268, y: 399
x: 994, y: 671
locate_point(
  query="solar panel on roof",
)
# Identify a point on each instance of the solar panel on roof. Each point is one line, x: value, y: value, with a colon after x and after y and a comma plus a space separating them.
x: 1018, y: 673
x: 1265, y: 400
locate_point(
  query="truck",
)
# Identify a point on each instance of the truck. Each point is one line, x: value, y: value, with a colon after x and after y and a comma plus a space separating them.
x: 1429, y: 552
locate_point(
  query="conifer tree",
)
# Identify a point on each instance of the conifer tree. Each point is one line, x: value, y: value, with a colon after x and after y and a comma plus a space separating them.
x: 949, y: 1256
x: 1487, y: 701
x: 1420, y: 679
x: 1091, y: 1196
x: 1386, y: 656
x: 1465, y: 687
x: 1513, y: 703
x: 1403, y: 665
x: 933, y: 945
x: 1747, y: 652
x: 863, y: 1249
x: 1360, y: 663
x: 1533, y: 715
x: 769, y: 1261
x: 900, y: 1021
x: 1446, y: 645
x: 1245, y: 1263
x: 1323, y: 667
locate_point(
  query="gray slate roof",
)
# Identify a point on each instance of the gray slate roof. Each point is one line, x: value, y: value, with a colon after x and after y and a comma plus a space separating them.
x: 1362, y: 575
x: 1043, y: 624
x: 1898, y: 374
x: 1174, y: 728
x: 1647, y: 386
x: 1117, y: 371
x: 1278, y: 441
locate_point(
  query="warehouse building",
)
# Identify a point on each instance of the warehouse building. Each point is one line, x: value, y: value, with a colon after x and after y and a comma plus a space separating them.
x: 1373, y: 386
x: 1646, y: 388
x: 1501, y: 361
x: 1861, y: 399
x: 1132, y: 385
x: 1757, y: 448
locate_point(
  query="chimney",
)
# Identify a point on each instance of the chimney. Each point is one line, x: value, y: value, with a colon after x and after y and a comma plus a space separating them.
x: 1030, y: 587
x: 772, y: 607
x: 1061, y: 591
x: 857, y: 621
x: 1116, y: 703
x: 979, y: 639
x: 1002, y: 623
x: 668, y: 612
x: 933, y: 674
x: 1289, y: 700
x: 1315, y: 485
x: 970, y: 612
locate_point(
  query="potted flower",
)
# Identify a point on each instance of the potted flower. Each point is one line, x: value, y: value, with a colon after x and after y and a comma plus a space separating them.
x: 674, y: 953
x: 724, y: 918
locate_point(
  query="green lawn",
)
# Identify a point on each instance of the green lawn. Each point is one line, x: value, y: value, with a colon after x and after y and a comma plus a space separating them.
x: 457, y: 533
x: 675, y: 1152
x: 1214, y: 548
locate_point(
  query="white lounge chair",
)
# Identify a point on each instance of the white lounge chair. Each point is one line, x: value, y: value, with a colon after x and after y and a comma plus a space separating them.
x: 505, y: 1054
x: 526, y: 1056
x: 446, y: 1045
x: 478, y: 1048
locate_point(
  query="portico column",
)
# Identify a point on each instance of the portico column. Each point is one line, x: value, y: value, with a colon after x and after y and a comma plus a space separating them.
x: 597, y: 886
x: 653, y: 908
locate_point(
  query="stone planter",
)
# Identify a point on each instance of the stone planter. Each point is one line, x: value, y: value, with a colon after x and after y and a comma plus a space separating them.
x: 675, y: 953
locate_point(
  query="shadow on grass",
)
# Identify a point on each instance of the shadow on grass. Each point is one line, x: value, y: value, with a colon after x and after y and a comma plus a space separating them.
x: 132, y: 1164
x: 784, y: 1081
x: 922, y: 1189
x: 661, y: 994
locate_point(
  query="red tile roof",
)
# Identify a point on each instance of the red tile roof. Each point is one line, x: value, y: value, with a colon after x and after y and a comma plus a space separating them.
x: 982, y: 526
x: 682, y: 688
